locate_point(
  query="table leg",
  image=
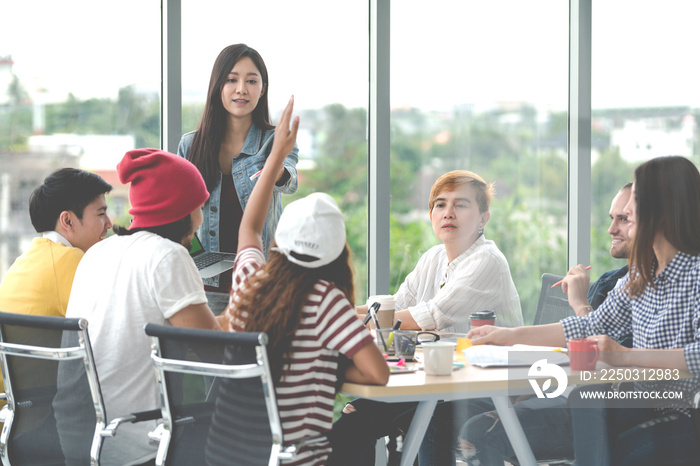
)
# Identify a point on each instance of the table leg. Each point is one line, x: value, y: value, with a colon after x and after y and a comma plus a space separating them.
x: 416, y: 431
x: 515, y: 432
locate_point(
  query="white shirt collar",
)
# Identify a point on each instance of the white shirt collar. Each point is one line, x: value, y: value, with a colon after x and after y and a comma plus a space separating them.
x: 56, y: 238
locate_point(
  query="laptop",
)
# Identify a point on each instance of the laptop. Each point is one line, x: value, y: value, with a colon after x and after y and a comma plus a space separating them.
x: 210, y: 264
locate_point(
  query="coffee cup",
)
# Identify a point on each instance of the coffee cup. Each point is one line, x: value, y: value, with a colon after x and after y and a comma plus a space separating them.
x: 479, y: 318
x: 583, y: 354
x: 405, y: 342
x: 385, y: 313
x: 437, y: 357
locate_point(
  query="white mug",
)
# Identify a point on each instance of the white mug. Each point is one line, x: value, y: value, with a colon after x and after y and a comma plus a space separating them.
x: 437, y: 357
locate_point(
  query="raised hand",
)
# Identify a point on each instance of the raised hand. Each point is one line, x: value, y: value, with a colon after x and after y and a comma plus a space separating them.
x: 575, y: 284
x: 255, y: 213
x: 285, y: 136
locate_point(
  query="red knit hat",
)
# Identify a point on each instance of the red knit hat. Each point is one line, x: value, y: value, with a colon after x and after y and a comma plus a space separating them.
x: 164, y: 187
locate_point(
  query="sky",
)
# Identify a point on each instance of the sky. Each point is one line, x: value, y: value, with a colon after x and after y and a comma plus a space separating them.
x: 444, y: 52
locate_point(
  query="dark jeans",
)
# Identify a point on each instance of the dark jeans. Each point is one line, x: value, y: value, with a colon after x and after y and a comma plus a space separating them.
x: 622, y: 436
x: 547, y: 427
x: 354, y: 435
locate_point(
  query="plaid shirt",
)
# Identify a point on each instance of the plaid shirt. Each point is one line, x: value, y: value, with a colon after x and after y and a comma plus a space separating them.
x: 665, y: 317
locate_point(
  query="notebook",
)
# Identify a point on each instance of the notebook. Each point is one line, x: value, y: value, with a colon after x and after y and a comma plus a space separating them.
x: 210, y: 264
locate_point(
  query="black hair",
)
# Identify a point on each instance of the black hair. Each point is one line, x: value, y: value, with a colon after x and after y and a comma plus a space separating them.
x: 66, y: 189
x: 174, y: 231
x: 204, y: 152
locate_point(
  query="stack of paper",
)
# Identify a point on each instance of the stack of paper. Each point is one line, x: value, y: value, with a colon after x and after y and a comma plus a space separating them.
x: 516, y: 355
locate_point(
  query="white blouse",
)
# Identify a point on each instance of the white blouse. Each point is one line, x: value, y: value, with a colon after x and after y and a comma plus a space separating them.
x: 441, y: 295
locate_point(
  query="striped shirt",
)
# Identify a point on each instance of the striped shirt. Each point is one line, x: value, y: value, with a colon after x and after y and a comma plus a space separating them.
x: 441, y: 295
x: 306, y: 391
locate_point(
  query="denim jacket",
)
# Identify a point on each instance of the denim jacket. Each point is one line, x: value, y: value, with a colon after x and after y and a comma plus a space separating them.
x: 255, y: 151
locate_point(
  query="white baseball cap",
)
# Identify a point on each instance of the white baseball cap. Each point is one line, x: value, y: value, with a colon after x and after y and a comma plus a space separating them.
x: 311, y: 231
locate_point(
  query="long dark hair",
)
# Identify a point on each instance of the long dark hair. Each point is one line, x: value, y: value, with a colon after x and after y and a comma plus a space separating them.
x: 204, y: 152
x: 272, y: 301
x: 667, y: 196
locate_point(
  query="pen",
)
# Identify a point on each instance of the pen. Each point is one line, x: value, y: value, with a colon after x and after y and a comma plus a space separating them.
x: 559, y: 282
x: 373, y: 312
x: 390, y: 338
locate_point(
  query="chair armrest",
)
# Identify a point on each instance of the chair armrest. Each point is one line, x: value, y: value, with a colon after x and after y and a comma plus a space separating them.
x: 290, y: 452
x: 3, y: 396
x: 111, y: 429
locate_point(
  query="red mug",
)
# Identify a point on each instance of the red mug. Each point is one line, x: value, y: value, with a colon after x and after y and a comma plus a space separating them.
x: 583, y: 354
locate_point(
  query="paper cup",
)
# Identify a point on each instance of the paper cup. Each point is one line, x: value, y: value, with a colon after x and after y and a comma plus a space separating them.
x: 385, y: 314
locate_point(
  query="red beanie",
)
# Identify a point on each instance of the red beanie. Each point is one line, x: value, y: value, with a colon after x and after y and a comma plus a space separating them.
x: 164, y: 187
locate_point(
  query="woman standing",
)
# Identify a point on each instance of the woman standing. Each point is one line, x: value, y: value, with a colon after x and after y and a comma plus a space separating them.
x: 230, y: 147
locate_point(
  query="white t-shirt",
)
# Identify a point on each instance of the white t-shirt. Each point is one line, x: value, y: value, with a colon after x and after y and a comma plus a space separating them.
x: 121, y: 284
x: 441, y: 295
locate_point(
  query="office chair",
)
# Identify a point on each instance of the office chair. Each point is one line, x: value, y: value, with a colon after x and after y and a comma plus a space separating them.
x: 553, y: 304
x: 34, y: 351
x: 236, y: 420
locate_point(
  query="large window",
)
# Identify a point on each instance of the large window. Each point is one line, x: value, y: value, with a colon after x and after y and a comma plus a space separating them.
x: 644, y: 99
x: 475, y: 85
x: 482, y: 86
x: 79, y: 86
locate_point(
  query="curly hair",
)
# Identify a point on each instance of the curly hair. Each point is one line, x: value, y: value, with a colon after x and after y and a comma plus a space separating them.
x: 272, y: 301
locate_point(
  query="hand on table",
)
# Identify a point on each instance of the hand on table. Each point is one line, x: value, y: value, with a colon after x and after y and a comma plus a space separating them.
x: 489, y: 334
x: 610, y: 351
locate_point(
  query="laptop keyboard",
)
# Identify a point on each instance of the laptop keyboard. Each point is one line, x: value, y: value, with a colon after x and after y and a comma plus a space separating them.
x: 208, y: 259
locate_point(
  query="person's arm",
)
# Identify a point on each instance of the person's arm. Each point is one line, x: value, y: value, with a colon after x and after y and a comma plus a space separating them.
x: 615, y: 354
x: 224, y: 321
x: 195, y: 316
x: 368, y: 366
x: 540, y: 335
x: 407, y: 320
x: 253, y: 221
x: 287, y: 181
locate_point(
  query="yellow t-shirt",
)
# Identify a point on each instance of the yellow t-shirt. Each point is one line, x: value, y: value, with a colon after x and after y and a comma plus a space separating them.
x: 39, y: 281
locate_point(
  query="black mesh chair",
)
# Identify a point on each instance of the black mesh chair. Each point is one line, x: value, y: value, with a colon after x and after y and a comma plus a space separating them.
x: 33, y: 350
x: 553, y: 304
x: 217, y: 398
